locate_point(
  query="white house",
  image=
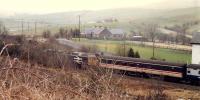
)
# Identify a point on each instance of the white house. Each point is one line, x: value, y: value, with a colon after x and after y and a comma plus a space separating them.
x: 196, y: 48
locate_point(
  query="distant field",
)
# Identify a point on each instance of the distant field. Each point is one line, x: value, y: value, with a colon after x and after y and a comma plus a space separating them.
x: 145, y: 51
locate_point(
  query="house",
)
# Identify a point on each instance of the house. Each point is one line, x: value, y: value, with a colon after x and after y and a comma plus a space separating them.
x: 102, y: 33
x: 96, y: 33
x: 117, y: 33
x: 196, y: 48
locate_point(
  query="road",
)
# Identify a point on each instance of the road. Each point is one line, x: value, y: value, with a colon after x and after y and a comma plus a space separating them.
x: 69, y: 43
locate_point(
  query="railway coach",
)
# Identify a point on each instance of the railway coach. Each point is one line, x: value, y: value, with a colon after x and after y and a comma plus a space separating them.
x: 146, y: 67
x: 176, y: 72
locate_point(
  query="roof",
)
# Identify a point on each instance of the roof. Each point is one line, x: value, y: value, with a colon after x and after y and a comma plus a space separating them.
x: 99, y: 30
x: 145, y: 61
x: 117, y: 31
x: 196, y: 38
x: 194, y: 66
x: 93, y: 30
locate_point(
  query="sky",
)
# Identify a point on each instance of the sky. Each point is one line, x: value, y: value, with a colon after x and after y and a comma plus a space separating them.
x: 8, y: 7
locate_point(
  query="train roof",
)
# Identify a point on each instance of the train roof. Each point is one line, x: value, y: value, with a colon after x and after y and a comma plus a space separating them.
x: 144, y: 61
x: 195, y: 66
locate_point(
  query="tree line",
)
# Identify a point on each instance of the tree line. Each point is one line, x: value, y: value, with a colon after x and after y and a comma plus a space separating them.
x: 63, y: 33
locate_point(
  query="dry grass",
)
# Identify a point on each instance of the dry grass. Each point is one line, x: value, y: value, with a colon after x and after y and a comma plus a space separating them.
x: 24, y: 80
x: 20, y: 80
x: 38, y: 75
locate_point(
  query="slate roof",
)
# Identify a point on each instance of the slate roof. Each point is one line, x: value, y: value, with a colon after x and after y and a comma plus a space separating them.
x: 117, y: 31
x: 93, y: 30
x: 195, y: 66
x: 196, y: 38
x: 99, y: 30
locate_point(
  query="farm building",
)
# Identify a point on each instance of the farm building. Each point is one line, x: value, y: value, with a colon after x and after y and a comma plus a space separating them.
x: 117, y: 33
x: 196, y: 48
x: 96, y: 33
x: 102, y: 33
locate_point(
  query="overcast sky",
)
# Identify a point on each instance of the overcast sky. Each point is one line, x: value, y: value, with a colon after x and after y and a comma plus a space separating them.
x: 50, y: 6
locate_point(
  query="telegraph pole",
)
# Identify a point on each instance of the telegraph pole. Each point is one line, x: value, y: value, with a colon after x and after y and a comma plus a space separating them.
x: 28, y: 26
x: 124, y: 45
x: 22, y: 26
x: 35, y: 27
x: 79, y: 17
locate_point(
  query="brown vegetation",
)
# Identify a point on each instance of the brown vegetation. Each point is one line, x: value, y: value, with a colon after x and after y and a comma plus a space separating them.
x: 40, y: 71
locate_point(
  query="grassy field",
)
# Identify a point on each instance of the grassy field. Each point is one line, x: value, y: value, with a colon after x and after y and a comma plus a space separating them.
x: 145, y: 51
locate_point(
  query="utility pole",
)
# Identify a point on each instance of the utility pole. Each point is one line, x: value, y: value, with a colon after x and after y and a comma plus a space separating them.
x: 22, y: 22
x: 153, y: 48
x: 124, y: 45
x: 28, y: 26
x: 79, y: 17
x: 35, y: 27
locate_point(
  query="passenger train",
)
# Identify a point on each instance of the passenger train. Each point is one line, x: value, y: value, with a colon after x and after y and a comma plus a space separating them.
x: 187, y: 73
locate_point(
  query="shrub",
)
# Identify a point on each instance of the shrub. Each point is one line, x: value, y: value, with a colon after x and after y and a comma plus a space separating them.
x: 131, y: 53
x: 137, y: 55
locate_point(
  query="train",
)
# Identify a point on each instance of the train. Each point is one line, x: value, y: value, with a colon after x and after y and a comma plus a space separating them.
x: 176, y: 72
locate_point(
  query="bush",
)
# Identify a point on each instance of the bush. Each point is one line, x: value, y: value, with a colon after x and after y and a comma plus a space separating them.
x: 153, y: 58
x: 16, y: 41
x: 131, y: 53
x: 137, y: 55
x: 48, y: 54
x: 157, y: 93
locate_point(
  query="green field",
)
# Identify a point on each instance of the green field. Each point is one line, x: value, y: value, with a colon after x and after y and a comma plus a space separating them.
x: 145, y: 51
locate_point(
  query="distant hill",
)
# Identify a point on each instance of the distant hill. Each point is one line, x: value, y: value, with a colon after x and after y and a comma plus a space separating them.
x: 123, y: 15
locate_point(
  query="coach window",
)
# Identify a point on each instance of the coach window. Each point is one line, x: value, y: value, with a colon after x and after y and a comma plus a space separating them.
x: 199, y: 72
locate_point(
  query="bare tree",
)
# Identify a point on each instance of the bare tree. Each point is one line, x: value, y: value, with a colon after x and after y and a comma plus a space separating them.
x: 151, y: 30
x: 183, y: 31
x: 46, y: 34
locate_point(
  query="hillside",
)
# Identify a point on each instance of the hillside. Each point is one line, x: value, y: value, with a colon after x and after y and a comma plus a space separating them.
x: 122, y: 14
x: 128, y: 18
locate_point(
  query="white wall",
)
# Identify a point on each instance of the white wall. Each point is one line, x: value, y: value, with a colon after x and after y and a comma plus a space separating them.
x: 196, y: 54
x: 194, y: 72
